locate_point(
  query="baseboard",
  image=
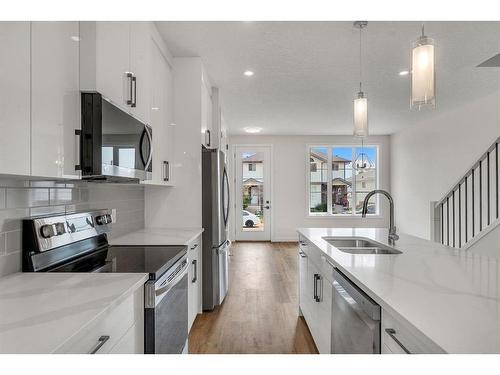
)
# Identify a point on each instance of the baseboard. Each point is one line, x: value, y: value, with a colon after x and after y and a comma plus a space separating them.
x: 285, y: 239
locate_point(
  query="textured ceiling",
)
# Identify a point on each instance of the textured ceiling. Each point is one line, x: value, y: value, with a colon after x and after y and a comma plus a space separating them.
x: 306, y: 73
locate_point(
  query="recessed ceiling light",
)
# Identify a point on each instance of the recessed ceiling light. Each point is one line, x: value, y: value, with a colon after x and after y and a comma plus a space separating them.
x: 404, y: 73
x: 248, y: 73
x: 252, y: 129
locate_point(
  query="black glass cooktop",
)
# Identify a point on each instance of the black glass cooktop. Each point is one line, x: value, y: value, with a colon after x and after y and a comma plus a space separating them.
x: 154, y: 260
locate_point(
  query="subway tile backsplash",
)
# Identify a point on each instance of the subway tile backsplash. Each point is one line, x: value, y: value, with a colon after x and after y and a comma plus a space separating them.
x: 20, y: 199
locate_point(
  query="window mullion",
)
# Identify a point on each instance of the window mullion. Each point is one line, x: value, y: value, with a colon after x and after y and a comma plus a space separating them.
x: 329, y: 199
x: 353, y: 179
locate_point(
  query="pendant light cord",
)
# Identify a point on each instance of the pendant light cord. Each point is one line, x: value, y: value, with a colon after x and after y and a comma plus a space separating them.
x: 360, y: 61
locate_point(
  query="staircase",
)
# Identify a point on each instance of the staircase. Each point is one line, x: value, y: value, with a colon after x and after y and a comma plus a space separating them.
x: 470, y: 210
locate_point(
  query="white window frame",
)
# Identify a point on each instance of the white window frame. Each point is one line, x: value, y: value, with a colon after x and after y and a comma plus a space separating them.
x: 329, y: 212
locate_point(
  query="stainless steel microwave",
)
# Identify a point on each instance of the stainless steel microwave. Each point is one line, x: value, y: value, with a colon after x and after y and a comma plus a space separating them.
x: 114, y: 145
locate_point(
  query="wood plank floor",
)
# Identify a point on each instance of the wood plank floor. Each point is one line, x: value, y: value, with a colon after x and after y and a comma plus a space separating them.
x: 260, y: 312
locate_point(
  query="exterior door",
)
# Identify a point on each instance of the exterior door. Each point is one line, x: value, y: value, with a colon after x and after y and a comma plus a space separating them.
x: 253, y: 193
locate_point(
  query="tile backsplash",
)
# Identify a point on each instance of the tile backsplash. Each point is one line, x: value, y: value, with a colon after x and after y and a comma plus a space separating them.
x: 20, y: 199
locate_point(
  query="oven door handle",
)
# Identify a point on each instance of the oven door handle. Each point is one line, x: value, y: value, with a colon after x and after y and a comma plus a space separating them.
x: 163, y: 291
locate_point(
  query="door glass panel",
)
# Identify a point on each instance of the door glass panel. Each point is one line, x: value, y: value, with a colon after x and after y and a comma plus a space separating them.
x: 318, y: 189
x: 252, y: 190
x: 341, y: 180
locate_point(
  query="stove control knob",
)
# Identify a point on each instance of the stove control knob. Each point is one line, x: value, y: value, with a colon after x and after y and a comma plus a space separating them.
x: 103, y: 219
x: 48, y: 231
x: 60, y: 228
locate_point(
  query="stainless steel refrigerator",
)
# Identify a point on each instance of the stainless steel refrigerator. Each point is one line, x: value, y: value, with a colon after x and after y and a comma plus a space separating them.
x: 215, y: 213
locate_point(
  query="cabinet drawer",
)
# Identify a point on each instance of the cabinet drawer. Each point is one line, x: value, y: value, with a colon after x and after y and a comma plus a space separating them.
x: 132, y: 342
x: 114, y: 323
x: 401, y: 339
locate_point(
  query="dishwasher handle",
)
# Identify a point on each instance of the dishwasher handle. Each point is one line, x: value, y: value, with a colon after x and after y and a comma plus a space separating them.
x: 370, y: 307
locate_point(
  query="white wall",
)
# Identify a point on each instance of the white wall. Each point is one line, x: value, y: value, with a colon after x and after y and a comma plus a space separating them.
x: 289, y: 202
x: 429, y: 157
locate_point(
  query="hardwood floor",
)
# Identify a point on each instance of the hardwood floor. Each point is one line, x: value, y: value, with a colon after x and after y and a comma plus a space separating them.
x: 260, y: 312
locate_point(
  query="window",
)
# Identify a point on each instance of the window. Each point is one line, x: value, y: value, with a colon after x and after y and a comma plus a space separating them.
x: 335, y: 187
x: 251, y: 167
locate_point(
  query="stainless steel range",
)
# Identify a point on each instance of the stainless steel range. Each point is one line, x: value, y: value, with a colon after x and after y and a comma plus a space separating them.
x: 78, y: 243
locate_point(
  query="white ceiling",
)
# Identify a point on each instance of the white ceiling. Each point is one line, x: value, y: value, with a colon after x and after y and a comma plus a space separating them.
x: 306, y: 73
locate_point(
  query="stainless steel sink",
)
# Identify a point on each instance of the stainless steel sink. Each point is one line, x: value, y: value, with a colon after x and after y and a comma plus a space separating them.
x: 360, y: 246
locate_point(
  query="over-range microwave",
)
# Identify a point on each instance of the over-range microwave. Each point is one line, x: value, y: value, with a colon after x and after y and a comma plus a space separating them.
x: 115, y: 146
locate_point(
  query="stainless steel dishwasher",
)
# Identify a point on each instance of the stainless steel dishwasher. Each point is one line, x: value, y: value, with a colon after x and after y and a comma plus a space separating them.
x: 355, y: 319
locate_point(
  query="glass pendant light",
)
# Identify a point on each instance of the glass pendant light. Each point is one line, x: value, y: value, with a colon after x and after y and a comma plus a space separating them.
x: 423, y: 77
x: 360, y: 114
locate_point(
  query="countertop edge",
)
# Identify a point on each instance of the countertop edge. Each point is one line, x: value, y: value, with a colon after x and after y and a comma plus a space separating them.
x: 124, y: 240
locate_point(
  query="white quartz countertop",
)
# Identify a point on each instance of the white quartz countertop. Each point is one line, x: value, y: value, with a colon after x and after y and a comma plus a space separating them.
x: 40, y: 311
x: 451, y: 296
x: 157, y: 237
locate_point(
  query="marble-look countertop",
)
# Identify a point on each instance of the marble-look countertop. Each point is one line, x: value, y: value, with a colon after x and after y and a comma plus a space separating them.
x: 157, y: 237
x: 41, y: 311
x: 451, y: 296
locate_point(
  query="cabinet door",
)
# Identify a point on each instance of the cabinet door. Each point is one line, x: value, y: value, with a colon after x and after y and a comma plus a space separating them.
x: 207, y: 133
x: 55, y: 95
x: 15, y: 98
x: 140, y: 45
x: 159, y: 108
x: 305, y: 294
x: 193, y: 287
x: 113, y: 62
x: 324, y: 316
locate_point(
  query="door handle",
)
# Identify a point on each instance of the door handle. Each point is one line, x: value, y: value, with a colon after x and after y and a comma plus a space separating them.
x: 302, y: 254
x: 207, y: 132
x: 166, y: 174
x: 100, y: 342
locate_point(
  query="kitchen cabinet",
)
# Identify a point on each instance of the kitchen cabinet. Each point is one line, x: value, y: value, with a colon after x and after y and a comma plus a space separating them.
x: 399, y: 338
x: 120, y: 330
x: 208, y: 136
x: 315, y: 291
x: 116, y: 63
x: 194, y: 276
x: 55, y: 99
x: 161, y: 117
x: 15, y: 98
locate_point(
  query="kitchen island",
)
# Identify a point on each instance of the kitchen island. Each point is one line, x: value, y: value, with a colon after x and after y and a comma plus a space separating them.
x: 444, y: 299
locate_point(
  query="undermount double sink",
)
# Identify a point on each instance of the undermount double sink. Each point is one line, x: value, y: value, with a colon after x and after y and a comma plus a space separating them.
x: 360, y: 246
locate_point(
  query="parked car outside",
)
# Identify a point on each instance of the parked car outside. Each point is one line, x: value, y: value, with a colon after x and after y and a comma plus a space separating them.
x: 250, y: 220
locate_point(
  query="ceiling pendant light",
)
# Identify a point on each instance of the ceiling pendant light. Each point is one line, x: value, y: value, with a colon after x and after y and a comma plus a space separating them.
x: 423, y: 77
x: 362, y: 160
x: 360, y: 115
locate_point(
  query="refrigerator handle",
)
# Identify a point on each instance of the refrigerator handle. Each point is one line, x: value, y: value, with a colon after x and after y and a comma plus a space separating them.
x: 225, y: 211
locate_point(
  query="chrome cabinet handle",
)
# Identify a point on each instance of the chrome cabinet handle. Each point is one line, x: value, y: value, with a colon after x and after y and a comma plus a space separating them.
x: 166, y: 165
x: 100, y: 342
x: 134, y: 99
x: 165, y: 170
x: 195, y: 265
x: 78, y: 140
x: 302, y: 243
x: 129, y: 78
x: 194, y: 246
x: 207, y: 132
x: 302, y: 254
x: 316, y: 296
x: 392, y: 332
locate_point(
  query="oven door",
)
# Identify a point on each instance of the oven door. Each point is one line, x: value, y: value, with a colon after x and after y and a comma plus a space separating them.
x: 166, y: 324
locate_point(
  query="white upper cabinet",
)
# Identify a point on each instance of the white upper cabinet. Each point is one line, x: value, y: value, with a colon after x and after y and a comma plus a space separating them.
x: 161, y: 116
x: 207, y: 135
x: 112, y: 61
x: 15, y: 98
x: 115, y: 62
x: 55, y: 99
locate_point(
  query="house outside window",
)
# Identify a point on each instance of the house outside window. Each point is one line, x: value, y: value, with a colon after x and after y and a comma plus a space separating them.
x: 251, y: 167
x: 335, y: 187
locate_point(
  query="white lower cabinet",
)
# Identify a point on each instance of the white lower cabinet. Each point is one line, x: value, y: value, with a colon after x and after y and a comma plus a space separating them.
x: 399, y: 338
x: 315, y: 293
x: 194, y: 276
x: 120, y: 330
